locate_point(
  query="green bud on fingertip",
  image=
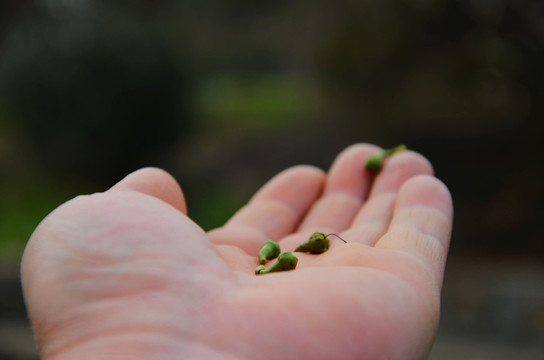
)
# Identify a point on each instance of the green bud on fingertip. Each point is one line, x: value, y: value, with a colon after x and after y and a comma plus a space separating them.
x: 375, y: 162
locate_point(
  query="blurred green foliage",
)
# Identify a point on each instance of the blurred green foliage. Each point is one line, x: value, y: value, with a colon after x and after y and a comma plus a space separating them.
x: 97, y: 107
x: 268, y: 102
x: 225, y: 94
x: 23, y: 205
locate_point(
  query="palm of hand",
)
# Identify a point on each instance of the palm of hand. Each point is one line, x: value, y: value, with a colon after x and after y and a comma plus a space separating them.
x: 127, y: 274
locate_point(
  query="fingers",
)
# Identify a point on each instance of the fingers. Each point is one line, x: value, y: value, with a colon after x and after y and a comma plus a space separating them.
x: 373, y: 219
x: 275, y: 210
x: 422, y: 223
x: 347, y: 187
x: 354, y: 202
x: 155, y: 182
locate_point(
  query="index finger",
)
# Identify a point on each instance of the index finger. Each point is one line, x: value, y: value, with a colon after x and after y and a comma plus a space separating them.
x: 274, y: 211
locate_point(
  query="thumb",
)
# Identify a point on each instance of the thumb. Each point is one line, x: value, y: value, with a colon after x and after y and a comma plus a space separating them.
x: 155, y: 182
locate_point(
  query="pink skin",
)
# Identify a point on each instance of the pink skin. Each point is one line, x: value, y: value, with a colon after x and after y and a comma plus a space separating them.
x: 126, y: 274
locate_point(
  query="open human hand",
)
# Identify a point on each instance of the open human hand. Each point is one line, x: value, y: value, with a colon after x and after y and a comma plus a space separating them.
x: 125, y: 274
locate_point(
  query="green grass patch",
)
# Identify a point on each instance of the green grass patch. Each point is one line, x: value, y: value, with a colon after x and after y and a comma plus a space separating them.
x: 263, y: 102
x: 22, y: 207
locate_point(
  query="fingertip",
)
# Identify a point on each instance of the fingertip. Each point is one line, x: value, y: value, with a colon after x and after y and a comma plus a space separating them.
x: 360, y: 148
x: 155, y: 182
x: 298, y: 182
x: 308, y: 171
x: 425, y: 190
x: 418, y: 163
x: 398, y: 169
x: 345, y: 174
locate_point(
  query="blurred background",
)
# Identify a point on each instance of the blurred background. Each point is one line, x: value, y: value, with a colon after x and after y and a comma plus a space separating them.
x: 224, y: 94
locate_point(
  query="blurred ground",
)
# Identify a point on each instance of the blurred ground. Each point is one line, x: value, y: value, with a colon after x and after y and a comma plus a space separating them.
x: 16, y: 341
x: 492, y: 309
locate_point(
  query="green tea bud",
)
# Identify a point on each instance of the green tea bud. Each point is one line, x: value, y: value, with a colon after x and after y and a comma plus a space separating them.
x: 286, y: 261
x: 375, y: 162
x: 269, y: 250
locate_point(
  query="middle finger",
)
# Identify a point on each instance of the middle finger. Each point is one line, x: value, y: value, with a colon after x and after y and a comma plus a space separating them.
x: 346, y: 189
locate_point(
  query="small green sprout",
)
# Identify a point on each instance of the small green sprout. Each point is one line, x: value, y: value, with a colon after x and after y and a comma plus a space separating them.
x: 375, y: 162
x: 270, y: 250
x: 286, y: 261
x: 318, y: 243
